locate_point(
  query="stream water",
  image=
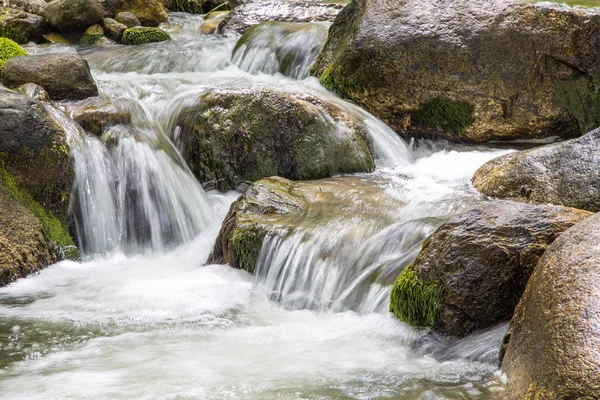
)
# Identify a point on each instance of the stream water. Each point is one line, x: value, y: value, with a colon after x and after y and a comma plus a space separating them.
x: 141, y: 317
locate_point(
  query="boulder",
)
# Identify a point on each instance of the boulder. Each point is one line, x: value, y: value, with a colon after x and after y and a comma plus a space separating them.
x: 29, y: 6
x: 467, y: 70
x: 20, y: 26
x: 8, y: 50
x: 92, y: 35
x: 553, y: 349
x: 96, y: 114
x: 73, y: 15
x: 114, y: 29
x: 471, y: 273
x: 247, y: 15
x: 64, y: 76
x: 32, y: 142
x: 228, y: 137
x: 128, y: 19
x: 148, y: 12
x: 143, y: 35
x: 566, y: 173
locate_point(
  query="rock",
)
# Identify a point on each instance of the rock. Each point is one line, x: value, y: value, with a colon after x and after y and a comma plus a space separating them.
x: 142, y: 35
x: 73, y: 15
x: 212, y: 21
x: 128, y: 19
x: 21, y: 26
x: 563, y: 173
x: 247, y: 15
x: 8, y: 50
x: 33, y: 151
x: 64, y: 76
x: 96, y: 114
x: 30, y: 6
x: 554, y: 346
x: 149, y: 12
x: 231, y: 136
x: 467, y: 70
x: 471, y: 273
x: 55, y: 38
x: 33, y: 92
x: 114, y: 29
x: 92, y: 34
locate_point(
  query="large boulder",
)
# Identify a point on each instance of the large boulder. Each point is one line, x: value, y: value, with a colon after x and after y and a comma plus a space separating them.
x: 64, y: 76
x: 231, y: 136
x: 554, y: 344
x: 471, y: 273
x: 250, y: 14
x: 35, y: 159
x: 467, y: 70
x: 30, y: 6
x: 566, y: 173
x: 73, y: 15
x: 20, y: 26
x: 149, y: 12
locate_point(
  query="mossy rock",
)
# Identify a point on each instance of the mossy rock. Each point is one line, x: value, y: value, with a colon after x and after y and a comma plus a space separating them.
x: 20, y: 26
x: 445, y: 115
x: 8, y: 50
x: 142, y: 35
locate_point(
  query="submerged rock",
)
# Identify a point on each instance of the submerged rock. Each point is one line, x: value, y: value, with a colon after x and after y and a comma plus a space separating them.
x: 473, y: 270
x: 20, y: 26
x: 247, y: 15
x: 554, y: 344
x: 34, y: 154
x: 212, y: 21
x: 148, y: 12
x: 231, y: 136
x: 564, y: 173
x: 143, y: 35
x: 96, y: 114
x: 64, y: 76
x: 467, y: 70
x: 33, y: 92
x: 73, y: 15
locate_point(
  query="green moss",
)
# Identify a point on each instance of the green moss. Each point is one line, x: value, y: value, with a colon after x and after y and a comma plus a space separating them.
x: 55, y: 230
x: 90, y: 39
x: 8, y: 50
x: 330, y: 81
x: 141, y: 35
x: 190, y: 6
x: 414, y: 301
x: 247, y: 242
x: 451, y: 116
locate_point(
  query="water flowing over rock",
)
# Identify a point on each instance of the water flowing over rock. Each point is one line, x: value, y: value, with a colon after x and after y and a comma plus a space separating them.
x: 97, y: 114
x: 64, y: 76
x: 467, y: 70
x: 473, y: 270
x: 231, y: 136
x: 73, y: 15
x: 554, y: 345
x: 20, y: 26
x: 247, y: 15
x: 564, y: 173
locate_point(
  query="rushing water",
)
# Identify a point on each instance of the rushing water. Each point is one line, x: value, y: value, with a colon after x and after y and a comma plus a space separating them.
x: 142, y: 318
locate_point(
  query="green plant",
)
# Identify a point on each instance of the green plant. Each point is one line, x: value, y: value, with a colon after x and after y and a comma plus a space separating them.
x: 247, y: 242
x: 141, y: 35
x: 451, y: 116
x: 8, y: 50
x: 191, y: 6
x: 414, y: 301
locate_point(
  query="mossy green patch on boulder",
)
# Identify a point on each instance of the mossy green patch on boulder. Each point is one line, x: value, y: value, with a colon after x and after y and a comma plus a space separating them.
x: 8, y: 50
x: 414, y: 301
x: 447, y: 115
x: 142, y: 35
x: 92, y: 34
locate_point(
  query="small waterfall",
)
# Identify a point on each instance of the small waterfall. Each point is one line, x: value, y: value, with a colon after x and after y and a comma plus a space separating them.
x: 284, y: 47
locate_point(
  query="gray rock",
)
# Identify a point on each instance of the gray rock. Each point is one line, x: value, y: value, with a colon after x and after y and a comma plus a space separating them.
x: 554, y: 344
x: 149, y: 12
x: 30, y: 6
x: 128, y: 19
x: 566, y: 173
x: 73, y: 15
x: 20, y: 26
x: 97, y: 114
x: 64, y: 76
x: 33, y: 92
x: 114, y: 29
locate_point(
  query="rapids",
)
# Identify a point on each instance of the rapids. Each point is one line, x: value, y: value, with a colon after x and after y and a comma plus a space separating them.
x: 141, y: 317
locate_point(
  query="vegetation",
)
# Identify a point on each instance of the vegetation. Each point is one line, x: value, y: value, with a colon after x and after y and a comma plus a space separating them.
x: 8, y: 50
x: 248, y: 243
x: 451, y: 116
x: 142, y: 35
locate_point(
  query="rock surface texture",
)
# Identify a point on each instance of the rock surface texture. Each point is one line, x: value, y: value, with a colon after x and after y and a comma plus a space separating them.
x: 73, y: 15
x: 471, y: 273
x: 554, y: 347
x: 467, y: 70
x: 148, y: 12
x: 20, y: 26
x: 566, y: 173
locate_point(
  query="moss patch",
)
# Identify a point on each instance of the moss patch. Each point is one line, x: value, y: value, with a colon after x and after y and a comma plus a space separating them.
x: 451, y: 116
x: 247, y: 242
x: 141, y: 35
x: 413, y: 301
x: 340, y: 86
x: 8, y: 50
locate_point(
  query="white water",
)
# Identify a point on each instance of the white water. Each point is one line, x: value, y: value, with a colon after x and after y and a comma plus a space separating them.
x: 145, y: 321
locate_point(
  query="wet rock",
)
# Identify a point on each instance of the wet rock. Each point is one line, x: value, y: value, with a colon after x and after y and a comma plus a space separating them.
x: 30, y: 6
x: 33, y: 92
x: 73, y: 15
x: 55, y: 38
x: 563, y: 173
x: 8, y: 50
x: 33, y: 150
x: 247, y: 15
x: 92, y: 34
x: 96, y: 114
x: 114, y: 29
x: 64, y: 76
x: 148, y: 12
x: 554, y: 345
x: 128, y: 19
x: 471, y: 273
x: 142, y: 35
x: 231, y: 136
x: 20, y: 26
x: 212, y: 21
x: 467, y: 70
